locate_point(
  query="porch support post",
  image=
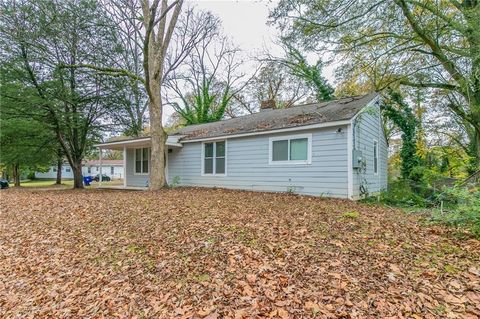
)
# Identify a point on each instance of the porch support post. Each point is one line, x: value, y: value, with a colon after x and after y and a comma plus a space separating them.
x: 125, y: 167
x: 101, y: 163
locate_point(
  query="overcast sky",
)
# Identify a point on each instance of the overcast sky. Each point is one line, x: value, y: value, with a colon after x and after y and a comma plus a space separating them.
x: 245, y: 22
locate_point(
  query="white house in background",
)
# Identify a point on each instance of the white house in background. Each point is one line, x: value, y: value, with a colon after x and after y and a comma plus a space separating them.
x: 111, y: 168
x: 336, y: 149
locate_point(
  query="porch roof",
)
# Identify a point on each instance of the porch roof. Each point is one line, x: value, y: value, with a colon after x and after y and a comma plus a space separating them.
x: 172, y: 142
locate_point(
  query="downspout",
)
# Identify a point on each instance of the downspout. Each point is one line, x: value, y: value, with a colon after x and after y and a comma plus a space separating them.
x: 350, y: 160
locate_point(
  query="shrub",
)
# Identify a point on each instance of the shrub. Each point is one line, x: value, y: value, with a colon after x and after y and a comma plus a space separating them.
x: 31, y: 175
x: 400, y: 193
x: 452, y: 206
x: 460, y: 207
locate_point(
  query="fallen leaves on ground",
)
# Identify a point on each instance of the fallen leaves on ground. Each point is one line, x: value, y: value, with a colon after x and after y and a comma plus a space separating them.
x: 212, y: 253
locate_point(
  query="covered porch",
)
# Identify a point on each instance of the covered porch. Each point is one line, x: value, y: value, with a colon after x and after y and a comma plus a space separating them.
x: 136, y: 161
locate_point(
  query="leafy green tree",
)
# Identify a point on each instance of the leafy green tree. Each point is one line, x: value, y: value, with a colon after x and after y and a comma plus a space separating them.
x: 38, y: 38
x: 25, y: 144
x: 416, y: 43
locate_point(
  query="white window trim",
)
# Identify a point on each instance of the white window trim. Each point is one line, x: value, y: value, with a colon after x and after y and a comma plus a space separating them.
x: 135, y: 161
x: 290, y: 137
x: 375, y: 142
x: 202, y: 166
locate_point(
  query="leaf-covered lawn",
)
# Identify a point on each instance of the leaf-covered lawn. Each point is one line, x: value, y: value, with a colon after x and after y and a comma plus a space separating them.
x: 199, y: 253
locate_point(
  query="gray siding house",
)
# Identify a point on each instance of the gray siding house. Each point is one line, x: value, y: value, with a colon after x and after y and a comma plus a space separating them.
x: 332, y: 149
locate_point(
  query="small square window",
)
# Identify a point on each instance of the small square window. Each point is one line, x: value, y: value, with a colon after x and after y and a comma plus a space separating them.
x: 299, y: 149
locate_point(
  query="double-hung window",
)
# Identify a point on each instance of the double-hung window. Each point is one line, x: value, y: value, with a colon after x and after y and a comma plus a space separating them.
x: 214, y: 158
x: 375, y: 157
x: 142, y: 160
x: 295, y: 149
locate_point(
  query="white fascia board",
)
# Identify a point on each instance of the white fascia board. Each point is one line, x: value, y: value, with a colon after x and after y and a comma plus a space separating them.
x: 172, y: 142
x: 372, y: 102
x: 138, y: 140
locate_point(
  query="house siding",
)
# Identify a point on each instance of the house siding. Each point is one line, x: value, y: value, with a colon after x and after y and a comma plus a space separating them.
x: 247, y: 165
x: 95, y: 169
x: 367, y: 128
x: 132, y: 178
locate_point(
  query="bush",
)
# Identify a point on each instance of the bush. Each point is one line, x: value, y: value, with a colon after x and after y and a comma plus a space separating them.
x: 460, y: 208
x: 452, y: 206
x: 400, y: 193
x: 31, y: 175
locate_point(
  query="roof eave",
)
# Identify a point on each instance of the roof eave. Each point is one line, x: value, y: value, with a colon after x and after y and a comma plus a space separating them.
x: 279, y: 130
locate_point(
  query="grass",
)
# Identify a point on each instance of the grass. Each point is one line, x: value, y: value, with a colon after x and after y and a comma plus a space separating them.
x: 198, y: 253
x: 45, y: 183
x: 66, y: 183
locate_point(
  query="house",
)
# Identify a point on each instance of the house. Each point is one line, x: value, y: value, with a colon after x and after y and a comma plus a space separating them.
x: 111, y: 168
x: 335, y: 149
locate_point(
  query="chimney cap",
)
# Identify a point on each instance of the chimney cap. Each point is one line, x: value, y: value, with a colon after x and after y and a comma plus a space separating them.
x: 267, y: 104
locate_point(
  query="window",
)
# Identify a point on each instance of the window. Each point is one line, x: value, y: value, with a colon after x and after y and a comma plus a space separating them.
x: 67, y: 169
x: 375, y: 157
x: 142, y: 159
x: 54, y: 169
x: 214, y: 156
x: 112, y: 170
x: 294, y: 149
x: 89, y: 170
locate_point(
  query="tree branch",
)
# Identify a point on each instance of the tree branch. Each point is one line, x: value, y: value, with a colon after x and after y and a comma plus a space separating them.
x: 104, y: 70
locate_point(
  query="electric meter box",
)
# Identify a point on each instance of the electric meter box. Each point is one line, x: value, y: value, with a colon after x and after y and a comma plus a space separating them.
x: 357, y: 158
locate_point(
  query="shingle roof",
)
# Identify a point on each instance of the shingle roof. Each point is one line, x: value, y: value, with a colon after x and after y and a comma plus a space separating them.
x: 266, y: 120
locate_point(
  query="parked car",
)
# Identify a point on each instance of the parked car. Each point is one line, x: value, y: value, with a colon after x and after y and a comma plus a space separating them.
x: 3, y: 183
x: 105, y: 178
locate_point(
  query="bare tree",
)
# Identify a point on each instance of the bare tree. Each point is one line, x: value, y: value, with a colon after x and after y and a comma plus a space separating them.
x: 273, y: 82
x: 155, y: 32
x: 208, y: 81
x: 166, y: 38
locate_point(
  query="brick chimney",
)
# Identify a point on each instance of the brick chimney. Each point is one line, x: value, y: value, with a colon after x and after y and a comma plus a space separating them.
x: 267, y: 105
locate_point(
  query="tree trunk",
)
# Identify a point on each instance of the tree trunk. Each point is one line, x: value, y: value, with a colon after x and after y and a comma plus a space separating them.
x: 77, y: 175
x: 59, y: 171
x: 16, y: 175
x: 475, y: 149
x: 157, y: 154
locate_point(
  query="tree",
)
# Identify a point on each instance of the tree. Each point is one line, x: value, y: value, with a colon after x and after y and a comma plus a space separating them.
x: 297, y: 63
x: 402, y: 115
x: 272, y: 82
x: 25, y: 143
x: 425, y: 44
x: 210, y: 77
x: 37, y: 38
x: 155, y: 32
